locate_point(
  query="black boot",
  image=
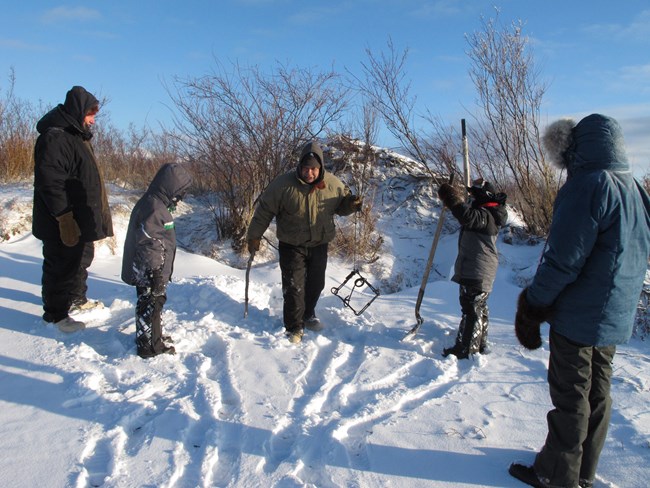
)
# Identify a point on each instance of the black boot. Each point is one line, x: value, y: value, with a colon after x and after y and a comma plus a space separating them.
x: 457, y: 350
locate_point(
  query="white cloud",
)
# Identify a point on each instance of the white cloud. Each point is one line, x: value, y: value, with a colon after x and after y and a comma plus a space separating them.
x: 19, y: 44
x: 70, y: 14
x: 637, y: 30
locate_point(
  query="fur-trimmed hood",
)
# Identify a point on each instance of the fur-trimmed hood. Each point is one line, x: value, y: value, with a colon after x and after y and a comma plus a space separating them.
x: 596, y: 142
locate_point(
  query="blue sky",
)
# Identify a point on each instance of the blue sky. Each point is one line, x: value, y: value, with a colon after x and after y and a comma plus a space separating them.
x: 594, y: 55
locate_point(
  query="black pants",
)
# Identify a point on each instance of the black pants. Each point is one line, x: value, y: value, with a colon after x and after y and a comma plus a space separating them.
x: 473, y: 328
x: 148, y: 321
x: 579, y: 380
x: 65, y: 275
x: 303, y: 280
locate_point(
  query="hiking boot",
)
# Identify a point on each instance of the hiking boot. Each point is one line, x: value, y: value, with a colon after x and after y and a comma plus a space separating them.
x: 295, y: 336
x: 527, y: 475
x: 312, y: 323
x: 77, y: 308
x: 69, y: 325
x: 457, y: 351
x: 583, y: 483
x: 49, y: 318
x: 149, y: 353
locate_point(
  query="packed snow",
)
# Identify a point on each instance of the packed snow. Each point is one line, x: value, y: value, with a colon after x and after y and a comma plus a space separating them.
x: 239, y: 406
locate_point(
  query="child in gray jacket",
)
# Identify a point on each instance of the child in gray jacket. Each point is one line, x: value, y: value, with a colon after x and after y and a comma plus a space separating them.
x: 149, y: 252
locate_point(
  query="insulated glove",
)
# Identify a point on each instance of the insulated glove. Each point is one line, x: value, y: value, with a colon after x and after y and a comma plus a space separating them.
x: 528, y: 320
x: 450, y: 196
x: 68, y: 229
x: 253, y: 245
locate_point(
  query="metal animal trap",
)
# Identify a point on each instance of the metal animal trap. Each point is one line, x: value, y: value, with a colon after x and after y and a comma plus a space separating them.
x: 356, y: 299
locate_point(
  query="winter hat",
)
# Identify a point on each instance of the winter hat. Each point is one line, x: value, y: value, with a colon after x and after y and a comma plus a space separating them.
x: 311, y: 156
x: 482, y: 191
x: 481, y: 185
x: 310, y: 160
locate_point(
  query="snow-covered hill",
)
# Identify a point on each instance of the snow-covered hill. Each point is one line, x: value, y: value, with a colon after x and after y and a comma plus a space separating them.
x: 238, y: 406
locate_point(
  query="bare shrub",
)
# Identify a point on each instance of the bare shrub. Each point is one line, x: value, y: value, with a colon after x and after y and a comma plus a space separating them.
x: 131, y: 158
x: 354, y: 161
x: 508, y: 140
x: 243, y: 128
x: 386, y: 88
x: 358, y: 238
x: 17, y: 135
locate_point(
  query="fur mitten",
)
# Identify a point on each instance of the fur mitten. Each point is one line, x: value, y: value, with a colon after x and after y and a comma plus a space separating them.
x: 450, y: 196
x: 68, y: 229
x: 528, y: 321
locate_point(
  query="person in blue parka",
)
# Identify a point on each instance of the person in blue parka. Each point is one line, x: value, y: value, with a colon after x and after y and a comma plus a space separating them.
x: 587, y: 288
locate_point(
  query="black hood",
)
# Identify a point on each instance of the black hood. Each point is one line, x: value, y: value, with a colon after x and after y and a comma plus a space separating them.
x: 171, y: 182
x: 70, y: 114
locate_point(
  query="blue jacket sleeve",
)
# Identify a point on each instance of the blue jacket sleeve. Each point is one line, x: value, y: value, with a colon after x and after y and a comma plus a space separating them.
x: 572, y: 236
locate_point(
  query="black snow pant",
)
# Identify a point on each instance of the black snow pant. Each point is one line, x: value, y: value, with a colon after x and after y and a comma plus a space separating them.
x: 473, y: 328
x: 579, y: 380
x: 148, y: 320
x: 65, y: 275
x: 303, y: 280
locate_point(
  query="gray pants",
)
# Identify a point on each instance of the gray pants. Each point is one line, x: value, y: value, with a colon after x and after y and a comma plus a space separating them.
x: 579, y: 379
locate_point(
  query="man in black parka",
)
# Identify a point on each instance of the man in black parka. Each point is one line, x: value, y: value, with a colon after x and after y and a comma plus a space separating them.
x: 477, y: 260
x: 149, y: 253
x: 70, y: 209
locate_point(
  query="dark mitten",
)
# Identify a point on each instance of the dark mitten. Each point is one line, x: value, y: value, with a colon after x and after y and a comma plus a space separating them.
x: 350, y: 204
x: 68, y: 229
x: 528, y: 320
x: 253, y: 245
x: 356, y: 203
x: 450, y: 196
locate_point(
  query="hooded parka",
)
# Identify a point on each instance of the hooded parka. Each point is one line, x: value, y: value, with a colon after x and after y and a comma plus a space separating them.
x: 478, y: 258
x: 66, y: 174
x: 599, y: 242
x: 150, y: 243
x: 304, y: 213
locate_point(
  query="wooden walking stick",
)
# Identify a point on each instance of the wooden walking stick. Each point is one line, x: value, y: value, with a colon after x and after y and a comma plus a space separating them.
x: 248, y: 272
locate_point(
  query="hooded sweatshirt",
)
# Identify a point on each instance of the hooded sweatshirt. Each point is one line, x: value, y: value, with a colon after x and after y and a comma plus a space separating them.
x: 150, y: 243
x: 599, y: 242
x: 66, y: 174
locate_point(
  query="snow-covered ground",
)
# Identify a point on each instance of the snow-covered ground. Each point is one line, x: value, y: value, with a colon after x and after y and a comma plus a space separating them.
x: 238, y: 406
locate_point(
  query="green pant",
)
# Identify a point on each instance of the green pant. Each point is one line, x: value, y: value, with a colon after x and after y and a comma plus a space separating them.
x: 579, y: 379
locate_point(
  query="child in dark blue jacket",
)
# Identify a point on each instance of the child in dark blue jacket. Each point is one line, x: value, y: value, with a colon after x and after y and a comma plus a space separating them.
x: 149, y: 252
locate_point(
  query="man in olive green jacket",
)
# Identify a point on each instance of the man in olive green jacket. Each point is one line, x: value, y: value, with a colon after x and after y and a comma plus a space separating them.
x: 303, y: 203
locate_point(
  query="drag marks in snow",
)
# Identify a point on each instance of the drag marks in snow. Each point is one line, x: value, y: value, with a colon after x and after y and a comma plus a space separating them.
x: 185, y: 418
